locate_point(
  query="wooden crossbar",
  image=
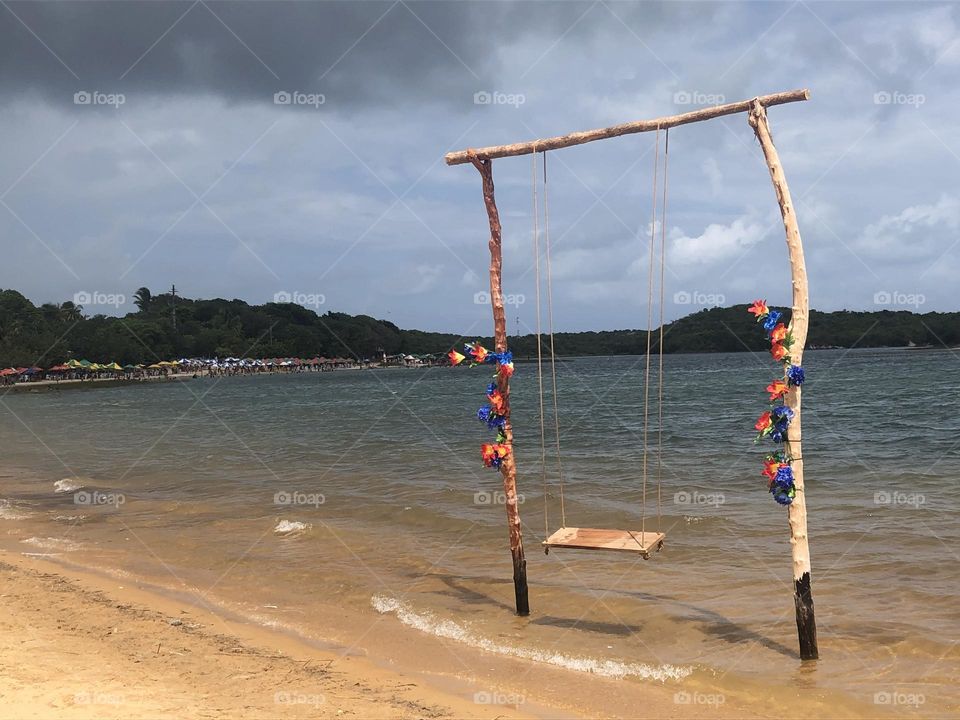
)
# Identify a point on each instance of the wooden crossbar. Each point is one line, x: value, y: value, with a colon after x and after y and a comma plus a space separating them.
x: 638, y: 126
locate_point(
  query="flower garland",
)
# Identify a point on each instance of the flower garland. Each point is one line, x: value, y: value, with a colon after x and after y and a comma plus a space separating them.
x: 775, y: 421
x: 492, y: 414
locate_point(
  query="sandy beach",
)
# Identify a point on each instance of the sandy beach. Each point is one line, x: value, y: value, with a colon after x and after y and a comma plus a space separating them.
x: 76, y: 644
x: 72, y: 647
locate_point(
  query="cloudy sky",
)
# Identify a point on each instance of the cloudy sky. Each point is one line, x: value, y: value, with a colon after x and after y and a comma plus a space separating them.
x: 241, y: 150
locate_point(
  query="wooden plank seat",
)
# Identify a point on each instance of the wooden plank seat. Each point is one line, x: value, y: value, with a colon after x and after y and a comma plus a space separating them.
x: 633, y: 541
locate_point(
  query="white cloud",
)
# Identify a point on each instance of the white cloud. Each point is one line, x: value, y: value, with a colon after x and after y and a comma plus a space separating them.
x: 915, y: 231
x: 716, y: 243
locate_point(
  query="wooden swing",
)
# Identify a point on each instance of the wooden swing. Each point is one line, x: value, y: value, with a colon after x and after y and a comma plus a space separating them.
x: 640, y: 541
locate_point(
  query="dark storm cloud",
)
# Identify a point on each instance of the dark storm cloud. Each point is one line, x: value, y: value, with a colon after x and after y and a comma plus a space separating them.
x: 354, y: 51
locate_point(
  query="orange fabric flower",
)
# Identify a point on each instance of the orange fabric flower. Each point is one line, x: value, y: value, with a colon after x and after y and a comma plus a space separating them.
x: 777, y: 389
x: 479, y: 353
x: 770, y: 468
x: 506, y: 369
x: 455, y: 357
x: 779, y: 333
x: 778, y: 351
x: 496, y: 402
x: 759, y: 308
x: 763, y: 422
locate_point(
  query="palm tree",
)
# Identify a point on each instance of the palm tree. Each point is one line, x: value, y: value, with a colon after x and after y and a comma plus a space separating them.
x: 142, y: 298
x: 71, y: 311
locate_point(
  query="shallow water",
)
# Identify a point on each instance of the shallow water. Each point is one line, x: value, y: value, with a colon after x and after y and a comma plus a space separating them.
x: 365, y: 490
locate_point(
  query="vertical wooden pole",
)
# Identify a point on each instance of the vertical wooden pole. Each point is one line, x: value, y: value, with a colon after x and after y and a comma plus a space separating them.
x: 508, y: 469
x: 797, y: 512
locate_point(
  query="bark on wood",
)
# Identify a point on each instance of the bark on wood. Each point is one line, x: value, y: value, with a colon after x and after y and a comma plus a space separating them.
x: 639, y: 126
x: 508, y: 469
x: 797, y: 512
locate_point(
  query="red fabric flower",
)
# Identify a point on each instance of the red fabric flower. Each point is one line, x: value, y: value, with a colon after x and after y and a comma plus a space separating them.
x: 778, y: 351
x: 763, y: 422
x: 779, y: 333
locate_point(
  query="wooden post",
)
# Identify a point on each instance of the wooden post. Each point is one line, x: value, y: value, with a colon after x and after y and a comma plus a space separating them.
x: 508, y: 469
x: 797, y: 512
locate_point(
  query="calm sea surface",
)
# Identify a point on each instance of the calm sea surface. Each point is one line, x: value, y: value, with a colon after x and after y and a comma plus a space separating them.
x: 365, y: 489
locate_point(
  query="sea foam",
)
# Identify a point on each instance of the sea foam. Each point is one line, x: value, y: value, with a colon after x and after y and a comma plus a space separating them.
x: 66, y: 485
x: 426, y: 622
x: 8, y: 512
x: 291, y: 527
x: 52, y: 543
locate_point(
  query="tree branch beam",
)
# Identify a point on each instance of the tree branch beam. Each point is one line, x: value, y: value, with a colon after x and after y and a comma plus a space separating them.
x: 579, y: 138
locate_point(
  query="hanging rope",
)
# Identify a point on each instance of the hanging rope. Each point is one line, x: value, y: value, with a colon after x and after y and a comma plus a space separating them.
x: 553, y: 354
x: 663, y: 251
x: 543, y: 432
x: 646, y: 381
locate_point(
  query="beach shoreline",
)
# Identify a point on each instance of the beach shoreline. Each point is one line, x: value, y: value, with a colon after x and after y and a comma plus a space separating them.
x: 157, y: 659
x: 163, y: 654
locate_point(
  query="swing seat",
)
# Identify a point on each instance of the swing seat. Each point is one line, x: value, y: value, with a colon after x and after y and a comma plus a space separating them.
x: 642, y: 543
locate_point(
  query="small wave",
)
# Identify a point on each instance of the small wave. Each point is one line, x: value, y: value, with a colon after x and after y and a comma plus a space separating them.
x: 69, y: 518
x: 67, y: 485
x: 426, y: 622
x: 51, y: 543
x: 291, y: 527
x: 9, y: 512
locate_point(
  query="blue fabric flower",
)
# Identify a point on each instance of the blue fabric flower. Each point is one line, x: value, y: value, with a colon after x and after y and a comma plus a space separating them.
x: 491, y: 388
x: 483, y: 414
x: 784, y: 478
x: 784, y: 497
x: 772, y: 319
x: 795, y: 375
x: 781, y: 414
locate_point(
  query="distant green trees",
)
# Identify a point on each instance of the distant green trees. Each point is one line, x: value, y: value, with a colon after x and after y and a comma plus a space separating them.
x: 51, y: 333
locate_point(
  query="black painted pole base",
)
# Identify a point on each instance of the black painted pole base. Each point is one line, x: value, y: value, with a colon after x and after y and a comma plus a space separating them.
x: 520, y: 582
x: 806, y: 623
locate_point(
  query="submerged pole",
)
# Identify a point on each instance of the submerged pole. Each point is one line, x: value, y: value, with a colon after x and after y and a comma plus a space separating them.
x: 508, y: 468
x: 797, y: 510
